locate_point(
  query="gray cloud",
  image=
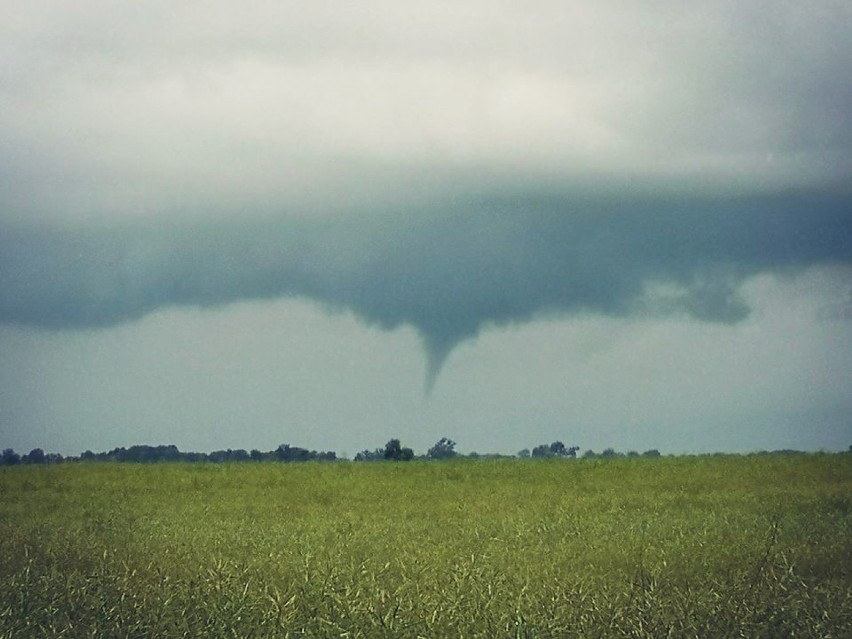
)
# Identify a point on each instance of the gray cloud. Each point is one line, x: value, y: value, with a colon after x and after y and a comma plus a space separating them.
x: 448, y: 165
x: 446, y: 273
x: 112, y: 112
x: 599, y: 192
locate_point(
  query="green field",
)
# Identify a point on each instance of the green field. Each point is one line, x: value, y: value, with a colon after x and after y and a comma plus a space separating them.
x: 717, y: 546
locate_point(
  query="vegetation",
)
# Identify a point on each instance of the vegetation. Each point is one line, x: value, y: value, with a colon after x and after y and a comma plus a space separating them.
x: 720, y: 546
x: 444, y: 448
x: 147, y: 454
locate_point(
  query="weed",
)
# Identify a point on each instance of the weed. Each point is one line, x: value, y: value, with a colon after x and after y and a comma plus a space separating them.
x: 671, y: 547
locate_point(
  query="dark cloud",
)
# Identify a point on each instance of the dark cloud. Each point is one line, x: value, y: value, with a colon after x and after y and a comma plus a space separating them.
x: 445, y: 273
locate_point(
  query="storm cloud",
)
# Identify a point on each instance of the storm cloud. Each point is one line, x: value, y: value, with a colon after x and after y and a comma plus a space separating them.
x: 447, y: 273
x: 626, y: 223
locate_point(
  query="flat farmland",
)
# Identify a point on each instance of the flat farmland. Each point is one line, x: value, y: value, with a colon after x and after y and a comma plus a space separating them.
x: 710, y: 546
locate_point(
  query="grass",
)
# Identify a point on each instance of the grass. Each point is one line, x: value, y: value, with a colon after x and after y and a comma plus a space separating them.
x: 718, y: 546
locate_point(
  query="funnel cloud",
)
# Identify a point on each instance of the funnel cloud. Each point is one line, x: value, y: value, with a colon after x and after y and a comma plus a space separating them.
x: 447, y: 274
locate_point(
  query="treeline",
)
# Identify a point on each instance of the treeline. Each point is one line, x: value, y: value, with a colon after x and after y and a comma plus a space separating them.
x: 148, y: 454
x: 393, y: 450
x: 558, y: 449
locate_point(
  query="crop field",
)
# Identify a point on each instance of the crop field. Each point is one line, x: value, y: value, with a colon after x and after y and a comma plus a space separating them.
x: 716, y: 546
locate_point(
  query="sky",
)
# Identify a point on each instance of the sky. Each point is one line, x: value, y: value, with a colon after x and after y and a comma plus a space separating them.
x: 330, y: 224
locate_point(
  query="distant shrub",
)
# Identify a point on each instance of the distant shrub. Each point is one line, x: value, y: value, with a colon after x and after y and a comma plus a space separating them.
x: 444, y: 448
x: 394, y: 451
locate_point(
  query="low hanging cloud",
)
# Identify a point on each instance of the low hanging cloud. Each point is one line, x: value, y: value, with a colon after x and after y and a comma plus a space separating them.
x: 448, y: 274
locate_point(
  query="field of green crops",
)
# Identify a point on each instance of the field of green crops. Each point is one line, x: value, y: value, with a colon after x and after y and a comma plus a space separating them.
x: 757, y: 546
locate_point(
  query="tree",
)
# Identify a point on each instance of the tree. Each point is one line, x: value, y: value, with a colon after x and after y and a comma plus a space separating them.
x: 168, y: 453
x: 10, y: 457
x: 395, y: 452
x: 370, y: 455
x: 287, y: 453
x: 524, y: 453
x: 444, y: 448
x: 35, y: 456
x: 556, y: 449
x: 542, y: 450
x: 240, y: 455
x: 559, y: 449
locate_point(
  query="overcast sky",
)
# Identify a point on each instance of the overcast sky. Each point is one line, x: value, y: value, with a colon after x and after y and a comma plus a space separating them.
x: 330, y: 223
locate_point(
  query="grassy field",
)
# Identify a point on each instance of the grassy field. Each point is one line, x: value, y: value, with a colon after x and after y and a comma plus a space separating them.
x: 757, y: 546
